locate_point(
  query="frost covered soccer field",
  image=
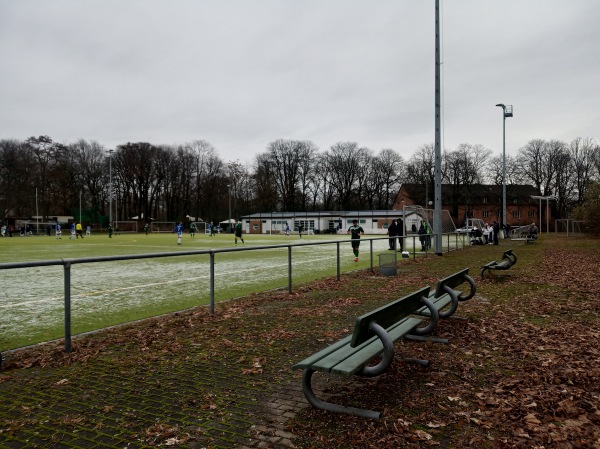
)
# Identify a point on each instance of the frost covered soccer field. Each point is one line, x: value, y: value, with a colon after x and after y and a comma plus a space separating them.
x: 109, y: 293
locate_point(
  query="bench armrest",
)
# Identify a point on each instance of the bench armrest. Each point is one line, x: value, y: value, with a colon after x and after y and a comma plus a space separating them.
x: 388, y: 352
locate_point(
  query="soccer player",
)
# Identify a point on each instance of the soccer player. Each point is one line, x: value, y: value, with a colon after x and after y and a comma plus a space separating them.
x: 356, y: 231
x: 300, y: 229
x: 58, y: 231
x: 179, y: 230
x: 146, y: 228
x: 192, y: 230
x: 110, y: 231
x: 287, y: 229
x: 238, y: 232
x: 79, y: 230
x: 88, y: 230
x: 72, y: 236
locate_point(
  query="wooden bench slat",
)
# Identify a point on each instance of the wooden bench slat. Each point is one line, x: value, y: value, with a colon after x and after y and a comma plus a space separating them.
x: 307, y: 362
x: 354, y: 363
x: 387, y: 315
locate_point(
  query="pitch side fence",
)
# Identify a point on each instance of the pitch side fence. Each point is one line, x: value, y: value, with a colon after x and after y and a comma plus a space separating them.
x: 451, y: 241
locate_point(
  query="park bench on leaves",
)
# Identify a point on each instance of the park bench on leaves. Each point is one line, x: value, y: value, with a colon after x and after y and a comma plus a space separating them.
x: 445, y: 298
x: 373, y: 337
x: 508, y: 260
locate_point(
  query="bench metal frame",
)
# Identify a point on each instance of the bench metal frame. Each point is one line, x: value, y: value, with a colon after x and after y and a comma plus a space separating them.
x: 508, y: 260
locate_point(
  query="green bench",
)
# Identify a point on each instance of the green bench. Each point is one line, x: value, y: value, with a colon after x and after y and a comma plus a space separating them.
x: 373, y: 337
x: 445, y: 298
x: 508, y: 260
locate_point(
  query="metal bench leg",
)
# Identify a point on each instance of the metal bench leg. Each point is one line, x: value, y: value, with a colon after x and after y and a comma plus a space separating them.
x: 328, y: 406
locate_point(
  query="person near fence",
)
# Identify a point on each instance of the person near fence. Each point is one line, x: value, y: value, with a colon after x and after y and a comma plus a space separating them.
x: 355, y: 231
x: 496, y: 227
x: 392, y: 233
x: 400, y: 234
x: 424, y: 236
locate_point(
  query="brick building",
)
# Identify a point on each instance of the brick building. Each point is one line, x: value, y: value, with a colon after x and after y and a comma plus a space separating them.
x: 478, y: 201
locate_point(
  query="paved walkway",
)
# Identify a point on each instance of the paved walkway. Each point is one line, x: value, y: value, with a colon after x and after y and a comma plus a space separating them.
x: 188, y: 380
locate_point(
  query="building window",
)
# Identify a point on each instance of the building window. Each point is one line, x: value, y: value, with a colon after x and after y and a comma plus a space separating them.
x: 515, y: 200
x: 516, y: 214
x: 255, y: 227
x: 470, y: 213
x: 531, y: 214
x: 484, y: 200
x: 486, y: 213
x: 306, y: 224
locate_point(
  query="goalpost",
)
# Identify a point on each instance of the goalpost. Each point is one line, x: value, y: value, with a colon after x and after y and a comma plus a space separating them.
x: 125, y: 227
x: 201, y: 227
x: 162, y: 226
x: 416, y: 214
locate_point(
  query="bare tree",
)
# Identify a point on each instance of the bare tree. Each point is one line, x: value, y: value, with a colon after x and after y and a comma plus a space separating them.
x: 584, y: 153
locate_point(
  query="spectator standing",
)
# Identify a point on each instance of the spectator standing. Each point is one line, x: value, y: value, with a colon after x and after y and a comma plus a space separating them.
x: 392, y: 233
x: 401, y: 234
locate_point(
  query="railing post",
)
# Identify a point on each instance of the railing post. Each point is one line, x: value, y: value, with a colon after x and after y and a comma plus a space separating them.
x: 338, y: 260
x: 212, y: 283
x: 371, y: 247
x: 414, y: 248
x: 67, y: 277
x: 290, y: 269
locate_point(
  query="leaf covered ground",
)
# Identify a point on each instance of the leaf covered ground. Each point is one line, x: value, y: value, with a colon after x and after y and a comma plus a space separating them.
x: 522, y: 372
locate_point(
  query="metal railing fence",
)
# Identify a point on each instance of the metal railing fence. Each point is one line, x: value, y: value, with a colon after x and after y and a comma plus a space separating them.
x: 67, y: 263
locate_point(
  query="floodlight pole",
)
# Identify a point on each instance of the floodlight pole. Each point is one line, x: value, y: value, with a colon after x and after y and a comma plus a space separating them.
x: 110, y: 189
x: 506, y: 112
x: 229, y: 217
x: 437, y: 213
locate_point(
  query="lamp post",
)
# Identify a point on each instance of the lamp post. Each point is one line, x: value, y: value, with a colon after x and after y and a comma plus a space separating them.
x: 507, y: 111
x: 110, y: 189
x: 229, y: 217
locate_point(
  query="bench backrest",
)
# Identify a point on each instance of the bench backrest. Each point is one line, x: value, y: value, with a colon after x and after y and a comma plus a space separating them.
x: 387, y: 315
x: 452, y: 281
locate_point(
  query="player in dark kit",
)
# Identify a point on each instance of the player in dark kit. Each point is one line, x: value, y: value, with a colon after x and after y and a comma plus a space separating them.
x: 356, y: 231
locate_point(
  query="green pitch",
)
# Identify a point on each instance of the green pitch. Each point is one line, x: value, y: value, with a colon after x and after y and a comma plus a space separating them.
x: 109, y: 293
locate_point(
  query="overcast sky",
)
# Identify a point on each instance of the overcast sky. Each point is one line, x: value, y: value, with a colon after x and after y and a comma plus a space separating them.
x: 242, y: 73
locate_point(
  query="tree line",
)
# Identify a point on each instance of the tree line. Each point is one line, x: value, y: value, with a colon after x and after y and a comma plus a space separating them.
x: 171, y: 182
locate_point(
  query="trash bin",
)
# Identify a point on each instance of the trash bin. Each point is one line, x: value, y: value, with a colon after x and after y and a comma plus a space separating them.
x: 387, y: 264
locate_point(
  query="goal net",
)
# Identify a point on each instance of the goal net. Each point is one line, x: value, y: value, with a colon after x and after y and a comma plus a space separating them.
x: 568, y: 226
x: 200, y: 227
x: 414, y: 215
x: 39, y: 228
x: 162, y: 226
x: 124, y: 227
